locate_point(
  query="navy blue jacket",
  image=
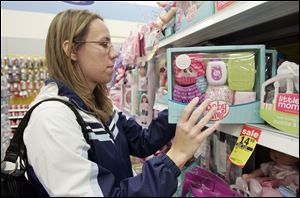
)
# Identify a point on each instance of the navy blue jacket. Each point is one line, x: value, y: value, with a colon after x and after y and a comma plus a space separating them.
x: 61, y: 163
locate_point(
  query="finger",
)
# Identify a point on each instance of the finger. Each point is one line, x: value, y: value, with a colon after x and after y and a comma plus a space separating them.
x: 199, y: 126
x: 207, y: 132
x: 187, y: 111
x: 205, y: 119
x: 198, y: 112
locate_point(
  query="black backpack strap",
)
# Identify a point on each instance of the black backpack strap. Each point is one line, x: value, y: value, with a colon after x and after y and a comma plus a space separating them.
x: 17, y: 148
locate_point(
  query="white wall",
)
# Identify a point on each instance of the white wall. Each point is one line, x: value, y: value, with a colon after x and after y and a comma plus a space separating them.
x: 29, y: 26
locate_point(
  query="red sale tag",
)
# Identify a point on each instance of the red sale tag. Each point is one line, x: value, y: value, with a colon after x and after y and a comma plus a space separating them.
x: 245, y: 145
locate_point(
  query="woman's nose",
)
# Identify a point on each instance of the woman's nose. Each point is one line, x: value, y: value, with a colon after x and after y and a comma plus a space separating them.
x: 113, y: 54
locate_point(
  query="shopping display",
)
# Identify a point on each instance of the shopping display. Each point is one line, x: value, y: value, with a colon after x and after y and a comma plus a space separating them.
x: 279, y: 177
x: 252, y: 81
x: 25, y: 77
x: 231, y: 76
x: 5, y: 127
x: 203, y: 183
x: 190, y: 12
x: 280, y: 103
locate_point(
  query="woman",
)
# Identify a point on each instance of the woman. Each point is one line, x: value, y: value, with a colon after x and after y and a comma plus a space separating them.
x: 80, y: 60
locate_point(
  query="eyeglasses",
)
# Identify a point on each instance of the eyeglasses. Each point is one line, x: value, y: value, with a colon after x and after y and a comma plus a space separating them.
x: 105, y: 44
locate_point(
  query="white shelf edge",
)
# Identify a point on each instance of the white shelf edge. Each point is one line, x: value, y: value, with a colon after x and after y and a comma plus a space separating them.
x: 269, y: 137
x: 15, y: 117
x: 17, y: 110
x: 14, y: 126
x: 159, y: 106
x: 237, y: 17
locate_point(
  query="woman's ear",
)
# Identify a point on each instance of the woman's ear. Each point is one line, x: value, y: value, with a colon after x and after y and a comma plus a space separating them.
x: 68, y: 46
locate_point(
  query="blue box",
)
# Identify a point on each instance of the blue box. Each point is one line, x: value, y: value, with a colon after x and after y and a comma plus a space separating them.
x: 241, y: 113
x: 190, y: 12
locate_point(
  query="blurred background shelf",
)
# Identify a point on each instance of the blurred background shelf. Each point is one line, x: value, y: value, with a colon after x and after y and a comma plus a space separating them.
x: 244, y: 22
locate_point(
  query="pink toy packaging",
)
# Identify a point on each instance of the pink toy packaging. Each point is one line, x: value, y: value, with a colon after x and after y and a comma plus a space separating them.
x: 231, y: 76
x: 276, y: 178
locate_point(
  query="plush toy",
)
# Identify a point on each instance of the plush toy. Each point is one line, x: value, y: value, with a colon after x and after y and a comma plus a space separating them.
x: 187, y: 69
x: 170, y: 8
x: 280, y: 173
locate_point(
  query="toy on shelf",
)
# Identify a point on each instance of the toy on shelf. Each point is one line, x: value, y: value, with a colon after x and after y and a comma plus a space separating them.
x: 216, y: 72
x: 163, y: 74
x: 241, y: 71
x: 126, y: 98
x: 120, y: 77
x: 128, y: 76
x: 280, y: 105
x: 6, y: 134
x: 200, y: 182
x: 25, y: 77
x: 191, y: 12
x: 221, y: 5
x: 187, y: 69
x: 231, y: 76
x: 143, y: 78
x: 274, y: 178
x: 145, y: 108
x: 170, y: 12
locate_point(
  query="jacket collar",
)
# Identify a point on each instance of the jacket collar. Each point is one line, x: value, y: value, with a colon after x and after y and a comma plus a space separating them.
x: 64, y: 90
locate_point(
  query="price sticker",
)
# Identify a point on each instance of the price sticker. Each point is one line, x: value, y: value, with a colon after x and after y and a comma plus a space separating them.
x: 245, y: 145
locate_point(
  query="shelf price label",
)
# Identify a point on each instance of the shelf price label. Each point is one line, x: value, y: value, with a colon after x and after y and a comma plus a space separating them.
x: 245, y: 145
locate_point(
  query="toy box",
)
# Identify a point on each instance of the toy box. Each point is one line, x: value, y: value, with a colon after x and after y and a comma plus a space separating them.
x: 280, y: 101
x: 190, y: 12
x: 126, y: 99
x: 229, y: 75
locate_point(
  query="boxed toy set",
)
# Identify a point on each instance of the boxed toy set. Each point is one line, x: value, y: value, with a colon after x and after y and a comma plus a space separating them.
x: 280, y: 99
x: 231, y: 76
x: 190, y: 12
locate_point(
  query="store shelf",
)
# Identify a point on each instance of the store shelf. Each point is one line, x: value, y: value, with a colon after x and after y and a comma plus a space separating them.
x: 270, y: 137
x: 240, y: 16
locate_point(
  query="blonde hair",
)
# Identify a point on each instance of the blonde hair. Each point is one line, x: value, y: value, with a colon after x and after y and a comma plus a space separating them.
x: 73, y: 25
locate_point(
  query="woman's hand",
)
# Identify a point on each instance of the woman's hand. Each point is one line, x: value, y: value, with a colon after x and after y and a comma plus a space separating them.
x: 189, y: 134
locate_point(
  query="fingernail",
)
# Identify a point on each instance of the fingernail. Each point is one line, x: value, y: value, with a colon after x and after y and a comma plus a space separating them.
x: 196, y: 99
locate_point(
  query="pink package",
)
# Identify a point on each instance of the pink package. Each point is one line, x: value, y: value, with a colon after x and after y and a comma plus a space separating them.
x: 244, y: 97
x: 187, y: 68
x: 221, y: 93
x: 186, y: 94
